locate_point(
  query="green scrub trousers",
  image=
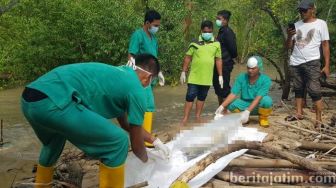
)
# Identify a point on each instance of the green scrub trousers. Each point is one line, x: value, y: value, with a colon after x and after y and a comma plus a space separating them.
x: 265, y: 102
x: 97, y: 136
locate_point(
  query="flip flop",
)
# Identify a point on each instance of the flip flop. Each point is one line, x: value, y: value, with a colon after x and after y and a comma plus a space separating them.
x: 293, y: 118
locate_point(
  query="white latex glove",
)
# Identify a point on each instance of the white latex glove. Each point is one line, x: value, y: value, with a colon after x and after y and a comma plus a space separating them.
x: 155, y: 156
x: 161, y: 79
x: 221, y: 82
x: 219, y: 110
x: 244, y: 117
x: 163, y: 149
x: 183, y: 77
x: 130, y: 62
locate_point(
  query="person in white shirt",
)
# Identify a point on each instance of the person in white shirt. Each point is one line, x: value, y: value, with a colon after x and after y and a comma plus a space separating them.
x: 305, y: 64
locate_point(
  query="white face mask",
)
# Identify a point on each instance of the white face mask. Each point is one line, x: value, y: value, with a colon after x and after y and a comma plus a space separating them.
x: 153, y: 29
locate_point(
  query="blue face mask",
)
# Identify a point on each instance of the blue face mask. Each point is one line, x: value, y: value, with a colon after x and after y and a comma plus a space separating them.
x: 219, y: 23
x: 207, y: 36
x: 153, y: 29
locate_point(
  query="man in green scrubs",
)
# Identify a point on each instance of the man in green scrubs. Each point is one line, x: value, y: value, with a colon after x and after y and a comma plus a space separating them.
x: 253, y: 88
x: 143, y: 40
x: 75, y: 102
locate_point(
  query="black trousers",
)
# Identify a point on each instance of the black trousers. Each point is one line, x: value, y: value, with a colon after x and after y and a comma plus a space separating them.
x: 226, y: 72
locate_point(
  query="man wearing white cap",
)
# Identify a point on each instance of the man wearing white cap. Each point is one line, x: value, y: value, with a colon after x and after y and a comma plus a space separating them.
x: 253, y: 88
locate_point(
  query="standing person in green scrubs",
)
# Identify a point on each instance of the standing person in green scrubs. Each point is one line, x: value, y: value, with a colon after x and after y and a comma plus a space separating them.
x: 143, y: 40
x: 253, y: 88
x: 74, y: 103
x: 203, y: 55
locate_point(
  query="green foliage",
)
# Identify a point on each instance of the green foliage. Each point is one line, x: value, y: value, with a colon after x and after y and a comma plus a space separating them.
x: 37, y: 36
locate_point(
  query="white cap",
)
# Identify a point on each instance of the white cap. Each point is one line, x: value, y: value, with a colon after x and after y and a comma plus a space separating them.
x: 252, y: 62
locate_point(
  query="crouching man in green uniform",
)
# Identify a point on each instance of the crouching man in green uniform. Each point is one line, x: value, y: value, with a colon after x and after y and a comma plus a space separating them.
x: 75, y: 102
x: 253, y: 88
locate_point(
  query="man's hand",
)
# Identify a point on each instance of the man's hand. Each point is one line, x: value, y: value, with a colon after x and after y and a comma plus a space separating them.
x: 244, y: 117
x: 221, y: 82
x: 290, y: 33
x: 219, y: 110
x: 163, y: 149
x: 183, y: 77
x: 161, y: 79
x: 326, y: 71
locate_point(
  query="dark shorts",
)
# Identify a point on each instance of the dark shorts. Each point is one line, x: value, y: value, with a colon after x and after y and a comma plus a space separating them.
x: 198, y: 91
x: 307, y: 75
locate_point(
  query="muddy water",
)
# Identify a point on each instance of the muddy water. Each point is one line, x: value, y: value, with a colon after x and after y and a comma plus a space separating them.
x: 20, y: 152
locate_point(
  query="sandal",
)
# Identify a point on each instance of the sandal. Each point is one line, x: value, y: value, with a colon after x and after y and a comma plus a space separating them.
x: 293, y: 118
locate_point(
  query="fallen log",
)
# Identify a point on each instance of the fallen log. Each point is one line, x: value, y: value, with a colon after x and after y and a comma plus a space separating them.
x: 212, y: 157
x: 315, y: 146
x: 260, y: 153
x: 275, y: 163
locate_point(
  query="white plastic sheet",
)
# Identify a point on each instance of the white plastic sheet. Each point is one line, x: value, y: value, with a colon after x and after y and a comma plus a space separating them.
x: 188, y: 148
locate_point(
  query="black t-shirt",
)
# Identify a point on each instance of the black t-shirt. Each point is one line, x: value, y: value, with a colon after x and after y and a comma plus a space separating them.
x: 227, y: 39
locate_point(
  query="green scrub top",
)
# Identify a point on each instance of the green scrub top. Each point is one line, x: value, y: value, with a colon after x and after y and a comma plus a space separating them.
x: 249, y: 91
x: 203, y: 61
x: 107, y: 90
x: 140, y: 43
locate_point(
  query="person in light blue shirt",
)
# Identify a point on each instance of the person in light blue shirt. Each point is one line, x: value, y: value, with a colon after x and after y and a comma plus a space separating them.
x: 253, y: 88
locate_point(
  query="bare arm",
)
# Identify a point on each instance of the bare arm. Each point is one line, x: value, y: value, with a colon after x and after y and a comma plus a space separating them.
x: 219, y: 64
x: 326, y: 55
x: 137, y: 143
x: 228, y: 100
x: 186, y: 62
x: 254, y: 103
x: 125, y: 125
x: 123, y: 122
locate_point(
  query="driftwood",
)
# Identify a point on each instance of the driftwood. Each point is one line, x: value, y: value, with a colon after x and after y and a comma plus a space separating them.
x: 211, y: 158
x: 316, y: 146
x: 139, y: 185
x: 276, y: 163
x: 306, y: 130
x: 260, y: 153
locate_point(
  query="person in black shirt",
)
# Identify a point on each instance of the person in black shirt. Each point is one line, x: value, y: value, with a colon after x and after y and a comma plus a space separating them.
x: 227, y: 39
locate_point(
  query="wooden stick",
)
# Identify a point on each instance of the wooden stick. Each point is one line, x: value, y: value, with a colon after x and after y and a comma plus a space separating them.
x: 328, y: 152
x: 139, y: 185
x: 315, y: 146
x: 306, y: 130
x: 212, y: 157
x: 275, y: 163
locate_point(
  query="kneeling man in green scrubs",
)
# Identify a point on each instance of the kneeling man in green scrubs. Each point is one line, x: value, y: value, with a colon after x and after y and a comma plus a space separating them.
x: 253, y: 88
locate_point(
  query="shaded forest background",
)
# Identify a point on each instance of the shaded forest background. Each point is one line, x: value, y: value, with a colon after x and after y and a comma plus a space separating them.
x: 38, y: 35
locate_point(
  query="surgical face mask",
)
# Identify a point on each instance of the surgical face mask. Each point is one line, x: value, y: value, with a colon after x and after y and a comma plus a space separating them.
x: 153, y: 29
x: 219, y: 23
x: 207, y: 36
